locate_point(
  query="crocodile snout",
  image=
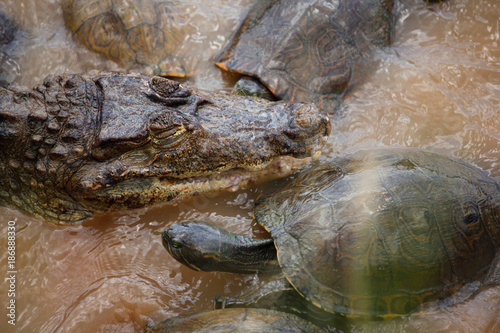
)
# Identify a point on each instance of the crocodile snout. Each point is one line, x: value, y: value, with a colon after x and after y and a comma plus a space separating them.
x: 310, y: 120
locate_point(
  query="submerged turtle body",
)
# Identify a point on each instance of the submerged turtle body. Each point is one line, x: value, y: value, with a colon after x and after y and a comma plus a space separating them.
x: 388, y: 230
x: 236, y: 320
x: 11, y: 39
x: 375, y: 234
x: 308, y: 50
x: 135, y: 34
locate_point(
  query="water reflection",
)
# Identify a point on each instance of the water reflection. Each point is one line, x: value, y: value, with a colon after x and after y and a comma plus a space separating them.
x: 437, y: 87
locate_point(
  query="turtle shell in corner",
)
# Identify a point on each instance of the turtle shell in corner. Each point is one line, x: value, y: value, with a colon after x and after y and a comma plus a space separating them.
x: 143, y: 34
x: 308, y: 50
x: 388, y: 230
x: 236, y: 320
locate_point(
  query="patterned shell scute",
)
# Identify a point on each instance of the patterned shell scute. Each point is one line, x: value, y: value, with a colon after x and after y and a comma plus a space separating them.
x: 135, y: 34
x: 389, y: 230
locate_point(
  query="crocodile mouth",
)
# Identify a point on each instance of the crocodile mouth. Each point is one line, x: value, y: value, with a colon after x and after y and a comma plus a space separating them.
x: 136, y: 193
x: 234, y: 179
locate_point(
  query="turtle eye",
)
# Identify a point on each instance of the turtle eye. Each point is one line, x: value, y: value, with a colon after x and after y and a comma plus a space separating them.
x: 175, y: 244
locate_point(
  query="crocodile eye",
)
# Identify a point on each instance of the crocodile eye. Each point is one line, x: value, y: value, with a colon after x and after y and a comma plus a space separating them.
x: 168, y: 130
x: 169, y: 137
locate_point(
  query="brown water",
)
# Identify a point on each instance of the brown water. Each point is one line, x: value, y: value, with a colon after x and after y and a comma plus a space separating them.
x: 437, y: 87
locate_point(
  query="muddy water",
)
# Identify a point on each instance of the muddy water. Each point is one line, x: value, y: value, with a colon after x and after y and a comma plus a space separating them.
x: 437, y: 87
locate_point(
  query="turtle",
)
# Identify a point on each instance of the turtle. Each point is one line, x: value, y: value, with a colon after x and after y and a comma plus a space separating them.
x: 311, y: 50
x: 374, y: 234
x: 235, y: 320
x: 138, y: 35
x: 11, y: 41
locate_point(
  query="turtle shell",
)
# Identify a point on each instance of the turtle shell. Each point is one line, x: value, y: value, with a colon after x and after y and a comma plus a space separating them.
x: 235, y: 320
x: 308, y: 50
x: 8, y: 28
x: 142, y: 34
x: 382, y: 233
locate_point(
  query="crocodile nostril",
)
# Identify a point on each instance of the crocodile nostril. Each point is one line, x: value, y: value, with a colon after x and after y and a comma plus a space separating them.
x: 304, y: 116
x: 310, y: 117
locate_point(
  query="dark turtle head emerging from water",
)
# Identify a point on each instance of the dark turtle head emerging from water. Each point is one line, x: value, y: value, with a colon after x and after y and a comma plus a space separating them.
x: 205, y: 247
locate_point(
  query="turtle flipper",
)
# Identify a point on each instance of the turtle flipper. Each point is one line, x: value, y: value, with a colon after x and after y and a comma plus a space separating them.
x: 278, y: 294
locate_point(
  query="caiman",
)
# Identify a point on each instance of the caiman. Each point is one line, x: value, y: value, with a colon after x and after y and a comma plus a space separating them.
x: 81, y: 144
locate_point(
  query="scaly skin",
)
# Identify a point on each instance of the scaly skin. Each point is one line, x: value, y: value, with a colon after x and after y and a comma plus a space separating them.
x: 93, y: 143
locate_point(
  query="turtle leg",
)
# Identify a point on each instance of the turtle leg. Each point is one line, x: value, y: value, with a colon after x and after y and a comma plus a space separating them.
x: 279, y: 294
x: 272, y: 294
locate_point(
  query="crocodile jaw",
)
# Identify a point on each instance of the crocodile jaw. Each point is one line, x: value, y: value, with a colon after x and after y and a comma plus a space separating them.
x: 137, y: 193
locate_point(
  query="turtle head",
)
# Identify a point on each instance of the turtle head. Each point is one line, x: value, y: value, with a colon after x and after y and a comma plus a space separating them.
x: 193, y: 244
x: 205, y: 247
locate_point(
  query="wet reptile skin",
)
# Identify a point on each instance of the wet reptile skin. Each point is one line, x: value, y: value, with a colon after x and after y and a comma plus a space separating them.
x: 80, y: 144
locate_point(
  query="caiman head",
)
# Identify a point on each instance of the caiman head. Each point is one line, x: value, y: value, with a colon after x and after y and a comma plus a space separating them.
x: 83, y: 144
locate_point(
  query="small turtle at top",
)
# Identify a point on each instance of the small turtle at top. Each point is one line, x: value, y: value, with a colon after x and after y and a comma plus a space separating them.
x: 235, y: 320
x: 139, y: 35
x: 308, y: 50
x: 376, y: 234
